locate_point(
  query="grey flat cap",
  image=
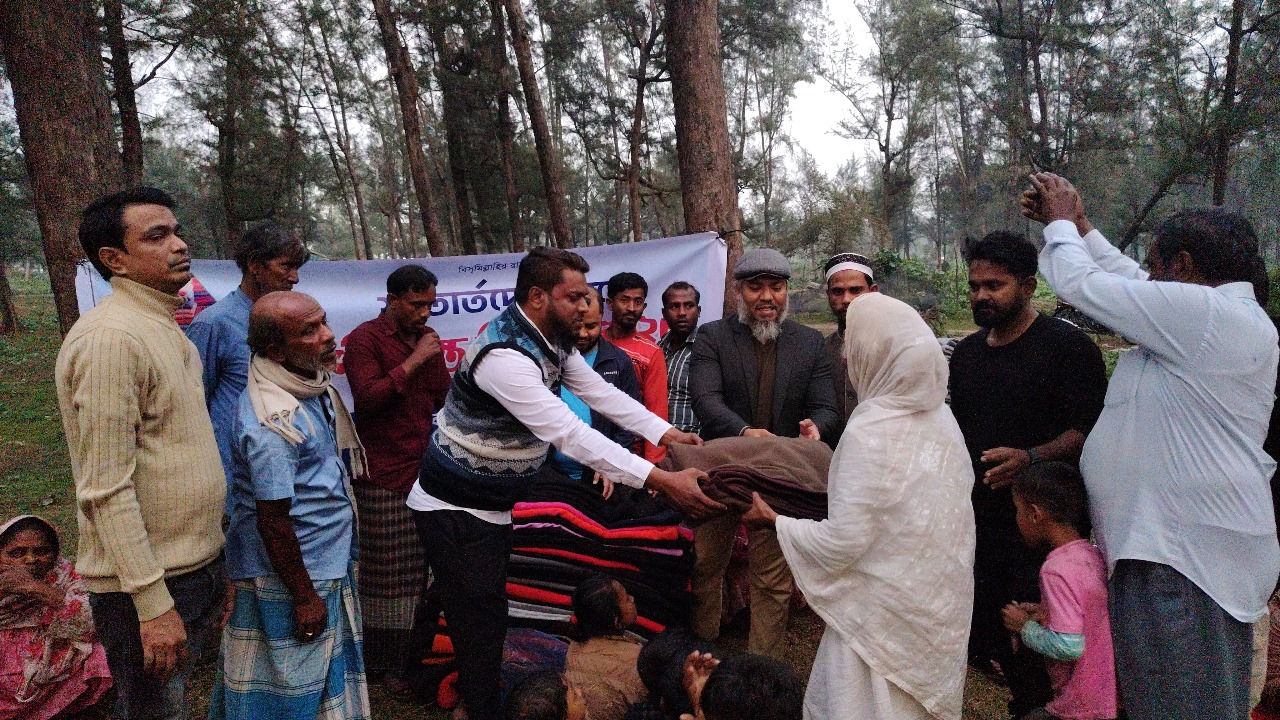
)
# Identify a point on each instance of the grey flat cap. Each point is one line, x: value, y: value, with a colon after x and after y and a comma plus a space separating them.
x: 762, y: 261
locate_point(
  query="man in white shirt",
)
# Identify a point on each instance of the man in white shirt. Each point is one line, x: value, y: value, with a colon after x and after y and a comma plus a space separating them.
x: 501, y: 415
x: 1176, y: 473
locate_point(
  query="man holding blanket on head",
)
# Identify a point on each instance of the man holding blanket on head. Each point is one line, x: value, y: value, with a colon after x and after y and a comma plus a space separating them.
x: 292, y: 646
x: 501, y: 416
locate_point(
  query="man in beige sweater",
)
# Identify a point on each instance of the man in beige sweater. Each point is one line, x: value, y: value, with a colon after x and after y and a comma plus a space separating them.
x: 149, y: 482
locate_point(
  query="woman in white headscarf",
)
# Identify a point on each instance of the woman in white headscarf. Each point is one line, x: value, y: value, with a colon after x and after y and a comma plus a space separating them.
x: 891, y: 568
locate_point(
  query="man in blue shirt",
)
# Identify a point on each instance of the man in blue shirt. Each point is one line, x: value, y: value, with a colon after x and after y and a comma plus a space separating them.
x: 615, y: 366
x: 269, y: 259
x: 292, y: 646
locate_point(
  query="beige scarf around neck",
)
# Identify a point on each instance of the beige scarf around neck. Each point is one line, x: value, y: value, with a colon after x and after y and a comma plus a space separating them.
x: 276, y: 394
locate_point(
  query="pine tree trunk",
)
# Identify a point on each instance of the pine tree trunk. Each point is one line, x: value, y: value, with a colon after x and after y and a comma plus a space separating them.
x: 59, y: 95
x: 455, y: 133
x: 506, y: 127
x: 707, y: 185
x: 407, y: 84
x: 8, y: 312
x: 126, y: 99
x: 342, y: 134
x: 548, y: 159
x: 1226, y: 111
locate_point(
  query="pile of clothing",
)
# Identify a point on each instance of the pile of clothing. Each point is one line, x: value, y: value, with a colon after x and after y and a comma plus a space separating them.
x: 565, y: 531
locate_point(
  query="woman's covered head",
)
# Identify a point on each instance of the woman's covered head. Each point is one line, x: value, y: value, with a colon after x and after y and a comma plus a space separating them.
x: 31, y: 543
x: 601, y: 606
x: 893, y: 355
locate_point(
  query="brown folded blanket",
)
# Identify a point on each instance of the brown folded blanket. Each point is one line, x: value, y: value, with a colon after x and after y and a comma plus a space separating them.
x: 800, y: 461
x: 789, y: 473
x: 733, y: 485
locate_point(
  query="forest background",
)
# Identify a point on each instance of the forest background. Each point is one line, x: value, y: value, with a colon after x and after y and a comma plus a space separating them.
x: 403, y: 128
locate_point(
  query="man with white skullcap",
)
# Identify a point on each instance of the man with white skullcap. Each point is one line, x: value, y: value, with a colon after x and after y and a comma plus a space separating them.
x: 848, y: 275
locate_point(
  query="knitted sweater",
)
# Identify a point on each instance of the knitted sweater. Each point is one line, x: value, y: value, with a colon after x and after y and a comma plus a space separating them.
x: 149, y: 481
x: 481, y: 456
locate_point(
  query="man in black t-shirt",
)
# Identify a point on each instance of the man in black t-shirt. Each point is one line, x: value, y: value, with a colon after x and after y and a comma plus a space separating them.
x: 1024, y: 388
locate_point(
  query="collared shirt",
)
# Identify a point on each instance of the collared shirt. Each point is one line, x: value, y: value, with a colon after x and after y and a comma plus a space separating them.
x: 309, y: 474
x: 679, y: 398
x: 392, y: 410
x: 514, y: 380
x: 221, y: 335
x: 1174, y: 466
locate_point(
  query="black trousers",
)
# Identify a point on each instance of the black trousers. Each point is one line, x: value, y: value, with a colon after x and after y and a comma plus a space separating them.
x: 1005, y: 570
x: 468, y: 558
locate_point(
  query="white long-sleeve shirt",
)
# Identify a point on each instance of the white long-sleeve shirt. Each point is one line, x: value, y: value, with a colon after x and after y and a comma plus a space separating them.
x: 513, y: 379
x: 1174, y: 466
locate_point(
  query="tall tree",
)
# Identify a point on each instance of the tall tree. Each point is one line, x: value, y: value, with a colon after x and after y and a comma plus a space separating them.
x: 406, y: 81
x: 125, y: 95
x: 59, y: 91
x: 548, y: 157
x: 707, y: 183
x: 506, y: 126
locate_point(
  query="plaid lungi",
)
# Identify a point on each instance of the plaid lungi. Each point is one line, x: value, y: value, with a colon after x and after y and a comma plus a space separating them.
x: 391, y: 564
x: 265, y: 672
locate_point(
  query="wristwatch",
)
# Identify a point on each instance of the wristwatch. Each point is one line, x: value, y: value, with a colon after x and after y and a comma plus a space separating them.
x: 1032, y: 455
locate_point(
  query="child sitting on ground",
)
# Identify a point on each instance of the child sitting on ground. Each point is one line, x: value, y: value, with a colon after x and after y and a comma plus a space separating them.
x: 743, y: 687
x: 602, y: 658
x: 661, y: 667
x: 1070, y: 626
x: 545, y: 695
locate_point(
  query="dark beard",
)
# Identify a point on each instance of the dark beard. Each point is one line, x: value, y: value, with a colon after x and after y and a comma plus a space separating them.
x: 990, y: 317
x: 564, y: 336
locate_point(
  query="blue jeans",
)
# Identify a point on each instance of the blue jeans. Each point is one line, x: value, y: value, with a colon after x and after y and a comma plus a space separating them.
x: 1179, y: 655
x: 198, y: 598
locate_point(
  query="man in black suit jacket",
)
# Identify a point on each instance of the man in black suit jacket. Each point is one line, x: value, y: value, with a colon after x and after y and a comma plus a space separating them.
x: 756, y: 375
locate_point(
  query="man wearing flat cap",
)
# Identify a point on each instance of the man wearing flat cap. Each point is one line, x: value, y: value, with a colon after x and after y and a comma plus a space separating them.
x: 756, y: 374
x: 848, y: 275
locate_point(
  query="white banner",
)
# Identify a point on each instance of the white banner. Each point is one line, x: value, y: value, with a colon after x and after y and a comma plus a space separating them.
x: 472, y: 289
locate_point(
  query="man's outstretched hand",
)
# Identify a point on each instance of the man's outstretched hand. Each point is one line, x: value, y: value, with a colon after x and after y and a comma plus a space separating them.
x: 678, y: 437
x: 681, y: 488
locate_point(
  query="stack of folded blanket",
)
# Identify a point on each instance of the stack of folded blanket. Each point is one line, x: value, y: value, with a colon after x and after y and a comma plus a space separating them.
x: 565, y: 531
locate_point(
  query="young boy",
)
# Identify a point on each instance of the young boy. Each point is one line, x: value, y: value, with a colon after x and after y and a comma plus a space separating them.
x: 1070, y: 626
x: 744, y: 687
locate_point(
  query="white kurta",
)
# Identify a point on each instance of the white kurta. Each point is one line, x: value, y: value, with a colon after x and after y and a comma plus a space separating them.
x: 891, y: 568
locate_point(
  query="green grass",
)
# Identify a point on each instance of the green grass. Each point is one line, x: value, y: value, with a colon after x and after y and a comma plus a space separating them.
x: 35, y: 477
x: 35, y: 472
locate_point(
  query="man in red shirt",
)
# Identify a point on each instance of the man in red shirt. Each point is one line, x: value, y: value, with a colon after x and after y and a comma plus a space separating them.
x: 627, y: 300
x: 398, y: 379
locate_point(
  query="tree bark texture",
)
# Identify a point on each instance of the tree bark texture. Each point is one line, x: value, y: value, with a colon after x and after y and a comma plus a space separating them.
x: 59, y: 93
x: 342, y: 133
x: 548, y: 158
x: 707, y: 184
x: 124, y: 90
x: 406, y: 80
x: 8, y: 312
x: 1226, y: 111
x: 506, y: 127
x: 454, y: 112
